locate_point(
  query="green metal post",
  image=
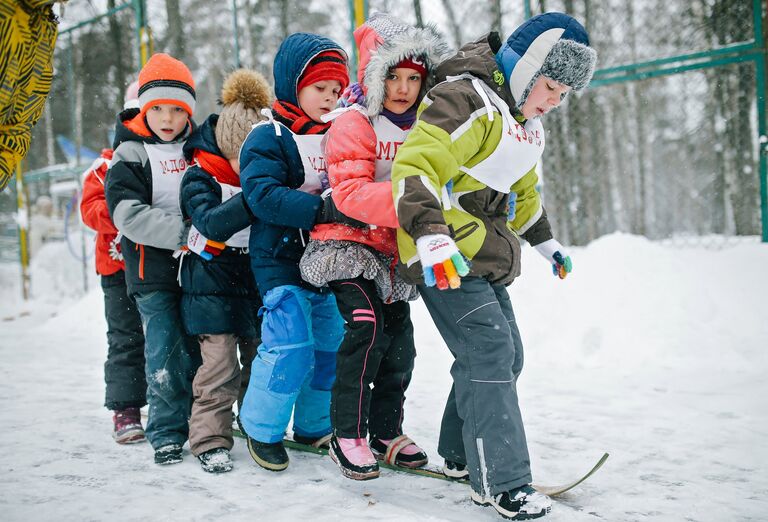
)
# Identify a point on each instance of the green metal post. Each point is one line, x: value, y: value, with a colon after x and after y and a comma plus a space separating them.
x: 527, y: 9
x: 236, y: 32
x: 762, y: 124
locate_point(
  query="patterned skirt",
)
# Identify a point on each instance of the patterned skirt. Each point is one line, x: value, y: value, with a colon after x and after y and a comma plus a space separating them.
x: 333, y: 260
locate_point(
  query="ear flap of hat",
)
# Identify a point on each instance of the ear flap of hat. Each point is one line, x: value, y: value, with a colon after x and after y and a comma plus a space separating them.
x: 570, y: 63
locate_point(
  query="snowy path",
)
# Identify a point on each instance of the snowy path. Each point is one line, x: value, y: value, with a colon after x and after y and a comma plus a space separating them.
x: 654, y: 354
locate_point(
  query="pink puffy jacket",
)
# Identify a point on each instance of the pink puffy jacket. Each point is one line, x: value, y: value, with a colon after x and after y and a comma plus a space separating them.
x: 350, y: 153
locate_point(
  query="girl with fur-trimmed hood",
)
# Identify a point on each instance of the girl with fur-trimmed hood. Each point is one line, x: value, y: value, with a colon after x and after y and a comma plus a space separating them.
x: 376, y: 357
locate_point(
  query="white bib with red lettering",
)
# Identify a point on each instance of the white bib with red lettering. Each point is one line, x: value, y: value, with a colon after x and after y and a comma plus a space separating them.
x: 389, y: 137
x: 168, y: 167
x: 519, y: 149
x: 313, y: 159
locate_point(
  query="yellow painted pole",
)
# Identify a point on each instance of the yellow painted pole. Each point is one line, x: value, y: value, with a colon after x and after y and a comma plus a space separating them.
x: 360, y: 12
x: 23, y: 221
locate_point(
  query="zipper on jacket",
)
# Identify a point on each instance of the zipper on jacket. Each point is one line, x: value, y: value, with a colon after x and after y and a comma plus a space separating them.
x: 140, y: 248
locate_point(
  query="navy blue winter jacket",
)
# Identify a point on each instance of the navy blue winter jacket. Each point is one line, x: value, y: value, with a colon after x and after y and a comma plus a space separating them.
x: 271, y: 171
x: 219, y: 296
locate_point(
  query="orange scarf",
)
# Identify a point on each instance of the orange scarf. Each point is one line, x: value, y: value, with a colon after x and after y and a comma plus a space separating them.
x: 217, y: 167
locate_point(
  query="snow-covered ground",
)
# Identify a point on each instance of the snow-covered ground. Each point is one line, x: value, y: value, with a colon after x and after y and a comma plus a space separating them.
x: 652, y: 353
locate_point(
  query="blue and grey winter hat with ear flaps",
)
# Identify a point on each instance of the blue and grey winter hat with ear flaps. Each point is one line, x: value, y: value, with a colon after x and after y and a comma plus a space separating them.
x: 551, y: 44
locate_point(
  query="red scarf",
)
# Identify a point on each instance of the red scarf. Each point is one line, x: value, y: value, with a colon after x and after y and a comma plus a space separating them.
x: 217, y: 167
x: 296, y: 119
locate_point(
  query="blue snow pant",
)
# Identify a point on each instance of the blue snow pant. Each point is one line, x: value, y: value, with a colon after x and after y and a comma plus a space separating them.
x: 482, y: 426
x: 295, y: 365
x: 171, y: 360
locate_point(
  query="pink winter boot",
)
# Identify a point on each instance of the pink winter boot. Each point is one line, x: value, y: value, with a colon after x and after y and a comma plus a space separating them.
x: 354, y: 458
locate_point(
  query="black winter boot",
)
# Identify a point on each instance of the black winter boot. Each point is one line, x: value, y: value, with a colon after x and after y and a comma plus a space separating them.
x: 168, y: 454
x: 455, y: 470
x: 216, y: 460
x: 316, y: 442
x: 271, y: 456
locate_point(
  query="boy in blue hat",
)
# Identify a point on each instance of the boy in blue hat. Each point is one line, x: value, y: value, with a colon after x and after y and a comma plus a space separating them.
x: 477, y: 142
x: 283, y: 173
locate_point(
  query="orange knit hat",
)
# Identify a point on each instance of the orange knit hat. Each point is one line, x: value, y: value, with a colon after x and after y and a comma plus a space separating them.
x: 164, y: 79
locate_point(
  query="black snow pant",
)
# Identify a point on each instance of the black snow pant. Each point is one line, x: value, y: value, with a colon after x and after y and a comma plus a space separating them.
x: 377, y: 349
x: 482, y: 426
x: 124, y: 368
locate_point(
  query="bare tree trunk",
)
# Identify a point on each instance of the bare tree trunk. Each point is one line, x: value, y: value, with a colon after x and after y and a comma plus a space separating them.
x: 115, y: 32
x: 614, y: 171
x: 175, y: 30
x: 744, y: 191
x: 284, y: 18
x: 255, y: 22
x: 718, y: 183
x: 50, y: 151
x: 453, y: 23
x: 557, y: 186
x: 496, y: 15
x: 417, y: 11
x: 638, y: 112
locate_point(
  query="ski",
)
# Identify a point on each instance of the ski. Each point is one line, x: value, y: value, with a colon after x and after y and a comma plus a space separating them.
x: 436, y: 473
x: 555, y: 491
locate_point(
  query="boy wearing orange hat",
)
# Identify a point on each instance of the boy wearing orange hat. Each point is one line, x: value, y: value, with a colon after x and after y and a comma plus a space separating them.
x: 142, y: 194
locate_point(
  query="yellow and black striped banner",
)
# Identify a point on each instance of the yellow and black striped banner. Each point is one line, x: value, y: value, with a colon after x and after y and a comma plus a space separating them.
x: 27, y: 38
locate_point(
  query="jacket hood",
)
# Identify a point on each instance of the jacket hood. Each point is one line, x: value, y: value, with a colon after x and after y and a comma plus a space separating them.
x: 383, y: 41
x: 204, y: 138
x: 130, y: 126
x: 478, y: 58
x: 292, y: 58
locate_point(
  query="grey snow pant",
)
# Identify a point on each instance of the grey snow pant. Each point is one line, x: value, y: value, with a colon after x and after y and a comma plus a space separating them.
x: 482, y: 426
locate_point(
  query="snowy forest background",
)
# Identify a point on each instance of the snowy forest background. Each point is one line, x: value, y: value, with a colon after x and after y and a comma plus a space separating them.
x: 669, y: 157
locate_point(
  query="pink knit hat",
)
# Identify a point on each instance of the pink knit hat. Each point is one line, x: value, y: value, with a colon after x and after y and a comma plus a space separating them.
x: 131, y: 100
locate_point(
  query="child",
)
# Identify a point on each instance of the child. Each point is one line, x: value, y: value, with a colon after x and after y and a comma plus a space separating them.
x: 124, y: 368
x: 220, y: 301
x: 376, y: 357
x: 143, y: 197
x: 282, y: 174
x: 479, y: 138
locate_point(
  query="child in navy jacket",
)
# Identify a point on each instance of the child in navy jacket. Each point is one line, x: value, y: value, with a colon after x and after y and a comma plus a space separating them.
x: 220, y: 302
x: 283, y: 175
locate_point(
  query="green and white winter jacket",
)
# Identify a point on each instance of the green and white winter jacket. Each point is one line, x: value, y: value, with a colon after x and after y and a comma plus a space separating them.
x: 454, y: 174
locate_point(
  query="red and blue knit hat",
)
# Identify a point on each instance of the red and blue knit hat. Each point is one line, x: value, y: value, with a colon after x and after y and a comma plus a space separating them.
x: 164, y: 79
x: 327, y: 65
